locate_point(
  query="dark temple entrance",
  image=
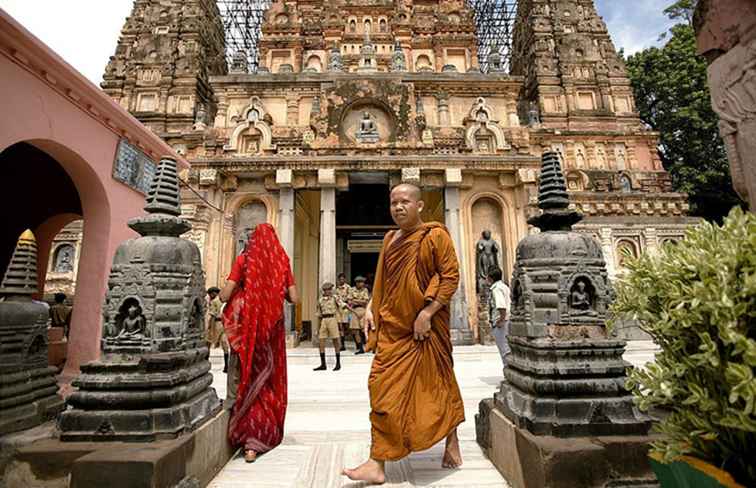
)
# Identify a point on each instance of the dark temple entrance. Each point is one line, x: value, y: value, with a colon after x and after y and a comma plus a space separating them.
x: 362, y: 219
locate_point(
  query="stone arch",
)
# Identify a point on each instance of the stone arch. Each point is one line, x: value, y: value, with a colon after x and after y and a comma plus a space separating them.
x: 622, y: 246
x: 481, y: 118
x: 625, y: 182
x: 383, y: 25
x: 423, y: 63
x: 577, y: 180
x: 254, y: 117
x: 314, y: 63
x: 378, y: 109
x: 230, y: 234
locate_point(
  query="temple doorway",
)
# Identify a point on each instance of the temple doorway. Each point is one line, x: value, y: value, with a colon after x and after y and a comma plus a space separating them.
x: 362, y: 220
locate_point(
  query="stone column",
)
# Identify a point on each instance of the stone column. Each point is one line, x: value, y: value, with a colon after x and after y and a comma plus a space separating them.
x: 286, y: 220
x: 460, y: 326
x: 327, y: 181
x: 444, y: 118
x: 607, y: 247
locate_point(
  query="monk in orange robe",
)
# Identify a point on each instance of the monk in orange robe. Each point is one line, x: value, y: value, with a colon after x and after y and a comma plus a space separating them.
x: 414, y: 395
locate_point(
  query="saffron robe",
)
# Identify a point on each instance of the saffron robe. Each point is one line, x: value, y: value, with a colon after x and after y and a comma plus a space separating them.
x: 414, y: 396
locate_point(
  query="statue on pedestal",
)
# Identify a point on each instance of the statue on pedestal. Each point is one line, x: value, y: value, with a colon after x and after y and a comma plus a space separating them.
x: 368, y: 130
x: 486, y: 258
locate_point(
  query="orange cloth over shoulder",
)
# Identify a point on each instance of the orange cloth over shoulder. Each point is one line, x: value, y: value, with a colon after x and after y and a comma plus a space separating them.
x: 414, y: 396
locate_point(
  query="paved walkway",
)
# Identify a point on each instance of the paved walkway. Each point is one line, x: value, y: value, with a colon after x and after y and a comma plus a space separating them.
x: 327, y: 426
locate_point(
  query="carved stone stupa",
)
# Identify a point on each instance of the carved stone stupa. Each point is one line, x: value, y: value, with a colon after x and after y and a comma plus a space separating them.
x: 566, y: 375
x: 563, y: 395
x: 153, y: 380
x: 28, y: 391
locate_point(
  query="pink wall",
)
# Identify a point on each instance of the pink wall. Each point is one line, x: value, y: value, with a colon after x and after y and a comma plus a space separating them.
x: 47, y: 104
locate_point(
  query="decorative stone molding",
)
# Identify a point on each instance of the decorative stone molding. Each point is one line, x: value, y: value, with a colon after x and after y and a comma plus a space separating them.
x: 327, y: 177
x: 453, y: 177
x: 254, y: 116
x: 208, y: 176
x: 411, y: 175
x: 481, y: 117
x: 284, y: 177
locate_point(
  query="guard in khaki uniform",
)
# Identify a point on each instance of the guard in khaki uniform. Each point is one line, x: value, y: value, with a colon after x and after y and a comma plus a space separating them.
x: 342, y: 294
x: 216, y: 335
x: 359, y: 297
x: 328, y: 310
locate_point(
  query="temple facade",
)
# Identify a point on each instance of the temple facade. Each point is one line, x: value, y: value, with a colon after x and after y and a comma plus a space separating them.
x: 354, y: 96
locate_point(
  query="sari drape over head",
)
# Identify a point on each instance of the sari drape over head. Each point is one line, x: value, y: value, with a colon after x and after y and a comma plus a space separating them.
x: 253, y: 320
x: 414, y: 396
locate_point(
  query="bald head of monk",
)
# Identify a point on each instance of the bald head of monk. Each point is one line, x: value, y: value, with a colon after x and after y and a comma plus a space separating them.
x: 406, y: 206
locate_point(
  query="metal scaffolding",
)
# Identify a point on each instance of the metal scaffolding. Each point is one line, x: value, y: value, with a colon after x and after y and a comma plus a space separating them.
x: 242, y: 21
x: 494, y: 24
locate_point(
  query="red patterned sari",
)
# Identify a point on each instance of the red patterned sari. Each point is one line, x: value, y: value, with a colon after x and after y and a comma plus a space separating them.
x: 253, y: 319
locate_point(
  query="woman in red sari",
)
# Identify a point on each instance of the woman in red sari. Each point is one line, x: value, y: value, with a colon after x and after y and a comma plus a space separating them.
x: 259, y: 282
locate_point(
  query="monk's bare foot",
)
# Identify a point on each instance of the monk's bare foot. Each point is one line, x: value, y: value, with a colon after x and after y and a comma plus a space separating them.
x: 452, y: 455
x: 250, y: 456
x: 370, y: 471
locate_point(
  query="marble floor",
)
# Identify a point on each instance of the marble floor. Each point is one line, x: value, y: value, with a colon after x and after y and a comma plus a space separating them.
x: 327, y: 426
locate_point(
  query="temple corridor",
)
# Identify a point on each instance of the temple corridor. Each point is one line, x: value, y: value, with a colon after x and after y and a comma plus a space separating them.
x: 327, y: 426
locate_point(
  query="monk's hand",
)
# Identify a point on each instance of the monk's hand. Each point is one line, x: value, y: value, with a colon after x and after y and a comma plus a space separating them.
x: 422, y: 325
x: 368, y: 323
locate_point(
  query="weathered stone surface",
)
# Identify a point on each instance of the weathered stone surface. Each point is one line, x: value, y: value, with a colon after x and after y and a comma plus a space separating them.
x: 532, y: 461
x: 726, y: 32
x: 190, y: 461
x: 28, y: 390
x: 154, y: 379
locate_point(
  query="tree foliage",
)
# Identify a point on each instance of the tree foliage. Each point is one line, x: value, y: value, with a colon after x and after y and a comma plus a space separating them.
x: 682, y: 9
x: 672, y: 96
x: 697, y: 299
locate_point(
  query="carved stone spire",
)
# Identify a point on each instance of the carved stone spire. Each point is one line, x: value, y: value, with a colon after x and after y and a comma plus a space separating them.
x: 553, y: 198
x: 21, y: 275
x: 163, y: 205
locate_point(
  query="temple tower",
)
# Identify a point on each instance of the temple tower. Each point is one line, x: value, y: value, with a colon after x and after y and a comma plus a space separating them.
x: 161, y: 68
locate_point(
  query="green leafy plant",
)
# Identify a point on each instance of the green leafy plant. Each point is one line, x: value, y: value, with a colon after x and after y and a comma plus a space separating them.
x: 697, y: 299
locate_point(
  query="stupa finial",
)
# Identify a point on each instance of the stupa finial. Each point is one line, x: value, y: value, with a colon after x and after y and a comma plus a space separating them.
x: 21, y: 276
x: 163, y: 204
x: 553, y: 198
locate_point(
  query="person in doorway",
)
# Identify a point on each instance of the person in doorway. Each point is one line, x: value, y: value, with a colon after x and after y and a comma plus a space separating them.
x: 342, y: 294
x: 359, y: 297
x: 499, y: 308
x: 259, y: 282
x: 215, y: 333
x: 328, y: 310
x: 414, y: 396
x: 60, y: 313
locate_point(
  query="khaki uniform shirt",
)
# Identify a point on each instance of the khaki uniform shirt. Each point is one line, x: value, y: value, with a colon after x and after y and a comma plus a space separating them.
x: 328, y: 306
x: 214, y: 308
x: 342, y: 294
x: 362, y: 296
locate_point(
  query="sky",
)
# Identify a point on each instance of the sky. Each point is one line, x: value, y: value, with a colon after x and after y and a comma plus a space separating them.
x: 85, y: 32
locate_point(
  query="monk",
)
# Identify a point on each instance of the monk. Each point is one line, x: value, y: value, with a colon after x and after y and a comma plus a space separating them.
x: 414, y: 396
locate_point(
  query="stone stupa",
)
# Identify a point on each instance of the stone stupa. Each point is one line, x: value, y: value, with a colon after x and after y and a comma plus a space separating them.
x: 563, y: 398
x: 28, y: 390
x: 153, y: 380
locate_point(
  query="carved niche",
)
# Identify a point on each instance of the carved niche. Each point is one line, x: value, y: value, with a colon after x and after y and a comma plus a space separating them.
x: 483, y: 133
x: 253, y: 133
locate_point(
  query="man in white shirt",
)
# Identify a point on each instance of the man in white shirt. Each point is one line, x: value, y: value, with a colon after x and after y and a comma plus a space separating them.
x: 499, y: 307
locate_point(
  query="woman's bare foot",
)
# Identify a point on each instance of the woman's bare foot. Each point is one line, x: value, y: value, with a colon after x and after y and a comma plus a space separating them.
x: 250, y: 456
x: 371, y: 472
x: 452, y: 456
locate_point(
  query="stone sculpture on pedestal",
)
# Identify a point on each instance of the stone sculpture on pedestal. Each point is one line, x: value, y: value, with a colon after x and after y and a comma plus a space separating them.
x: 153, y: 380
x: 565, y: 378
x: 398, y: 60
x: 367, y: 131
x: 335, y: 63
x: 487, y: 253
x: 28, y: 390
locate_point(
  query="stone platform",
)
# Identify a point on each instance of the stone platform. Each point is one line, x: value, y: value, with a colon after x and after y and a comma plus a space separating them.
x: 327, y: 425
x: 190, y: 461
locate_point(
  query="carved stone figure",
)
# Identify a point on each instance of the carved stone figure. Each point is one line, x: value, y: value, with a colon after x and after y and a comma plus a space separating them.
x: 580, y: 298
x: 487, y: 253
x: 398, y: 60
x: 133, y: 324
x: 534, y: 116
x: 368, y: 130
x: 495, y: 63
x: 335, y: 63
x: 200, y: 118
x: 64, y: 259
